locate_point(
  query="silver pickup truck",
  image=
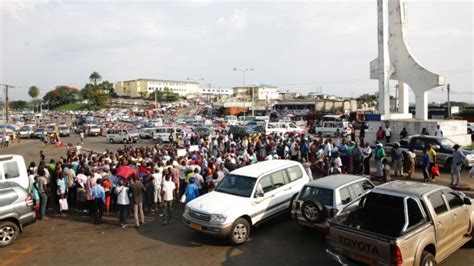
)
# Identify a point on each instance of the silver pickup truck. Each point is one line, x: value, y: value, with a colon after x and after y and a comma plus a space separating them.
x: 401, y: 223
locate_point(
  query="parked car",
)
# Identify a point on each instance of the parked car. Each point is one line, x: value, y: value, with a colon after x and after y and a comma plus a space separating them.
x: 443, y: 147
x: 122, y: 135
x: 26, y: 132
x: 93, y: 130
x: 205, y: 131
x: 162, y: 134
x: 16, y: 211
x: 283, y: 128
x: 329, y: 128
x: 401, y: 223
x: 146, y: 133
x: 246, y: 197
x: 64, y: 131
x: 321, y: 199
x: 241, y: 131
x: 39, y: 132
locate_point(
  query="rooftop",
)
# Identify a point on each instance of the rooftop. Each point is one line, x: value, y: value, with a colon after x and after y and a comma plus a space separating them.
x: 258, y: 169
x: 334, y: 181
x: 408, y: 188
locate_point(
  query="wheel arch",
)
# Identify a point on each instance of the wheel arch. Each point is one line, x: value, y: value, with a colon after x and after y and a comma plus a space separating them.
x: 247, y: 217
x: 13, y: 220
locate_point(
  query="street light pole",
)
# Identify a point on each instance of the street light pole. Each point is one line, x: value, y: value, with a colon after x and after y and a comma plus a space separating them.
x: 243, y: 85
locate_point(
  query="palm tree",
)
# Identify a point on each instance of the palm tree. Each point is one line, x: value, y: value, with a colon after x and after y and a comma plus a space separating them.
x: 95, y: 77
x: 33, y: 92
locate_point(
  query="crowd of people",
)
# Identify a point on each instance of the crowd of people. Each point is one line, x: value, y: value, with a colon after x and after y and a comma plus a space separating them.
x: 153, y: 178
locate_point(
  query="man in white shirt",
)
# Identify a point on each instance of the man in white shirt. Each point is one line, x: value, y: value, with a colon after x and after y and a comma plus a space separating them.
x: 388, y: 134
x: 157, y: 182
x: 168, y: 192
x: 438, y: 131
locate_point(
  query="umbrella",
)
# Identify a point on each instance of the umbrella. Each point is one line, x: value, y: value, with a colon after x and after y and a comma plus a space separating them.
x: 125, y: 171
x: 142, y: 169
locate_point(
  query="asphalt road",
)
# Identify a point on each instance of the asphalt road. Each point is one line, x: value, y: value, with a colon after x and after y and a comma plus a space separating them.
x: 74, y: 239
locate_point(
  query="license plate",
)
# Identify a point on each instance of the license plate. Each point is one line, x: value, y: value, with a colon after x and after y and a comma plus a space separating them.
x: 196, y: 226
x: 361, y: 258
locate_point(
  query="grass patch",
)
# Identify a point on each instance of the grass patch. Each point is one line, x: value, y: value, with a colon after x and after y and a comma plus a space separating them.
x: 72, y: 107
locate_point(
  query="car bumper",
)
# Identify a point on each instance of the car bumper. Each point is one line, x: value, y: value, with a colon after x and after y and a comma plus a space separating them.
x: 341, y: 259
x: 27, y: 219
x: 302, y: 221
x: 206, y: 227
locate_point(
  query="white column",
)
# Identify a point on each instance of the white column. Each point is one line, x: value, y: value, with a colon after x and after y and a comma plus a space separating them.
x: 421, y: 105
x: 402, y: 98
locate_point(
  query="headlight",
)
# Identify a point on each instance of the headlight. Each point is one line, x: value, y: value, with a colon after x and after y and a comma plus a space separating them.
x: 218, y: 218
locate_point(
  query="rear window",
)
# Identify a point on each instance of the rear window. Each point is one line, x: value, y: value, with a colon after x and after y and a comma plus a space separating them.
x: 10, y: 170
x: 323, y: 195
x: 294, y: 173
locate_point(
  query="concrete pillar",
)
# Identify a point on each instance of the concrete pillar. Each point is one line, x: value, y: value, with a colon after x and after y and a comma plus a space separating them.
x: 402, y: 98
x: 421, y: 105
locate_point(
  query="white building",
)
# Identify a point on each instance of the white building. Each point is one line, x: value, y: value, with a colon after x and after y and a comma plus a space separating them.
x: 261, y: 93
x: 216, y: 91
x: 144, y: 87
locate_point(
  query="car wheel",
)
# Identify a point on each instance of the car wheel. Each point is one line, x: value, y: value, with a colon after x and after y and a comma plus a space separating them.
x: 8, y: 233
x: 427, y: 259
x: 239, y: 232
x: 111, y: 140
x: 313, y: 211
x: 125, y: 141
x: 447, y: 165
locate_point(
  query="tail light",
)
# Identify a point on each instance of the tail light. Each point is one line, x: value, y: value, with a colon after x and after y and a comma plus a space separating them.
x: 396, y: 255
x: 29, y: 200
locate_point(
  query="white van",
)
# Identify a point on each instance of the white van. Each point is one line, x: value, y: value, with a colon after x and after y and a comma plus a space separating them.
x: 122, y: 135
x: 245, y: 197
x: 282, y: 127
x: 13, y: 169
x: 163, y: 133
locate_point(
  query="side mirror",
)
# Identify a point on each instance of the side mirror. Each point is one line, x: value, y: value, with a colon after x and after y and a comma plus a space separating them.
x: 259, y: 195
x: 436, y: 147
x: 467, y: 201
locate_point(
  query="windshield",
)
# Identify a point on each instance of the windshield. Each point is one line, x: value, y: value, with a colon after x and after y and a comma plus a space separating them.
x: 237, y: 185
x: 323, y: 195
x: 447, y: 143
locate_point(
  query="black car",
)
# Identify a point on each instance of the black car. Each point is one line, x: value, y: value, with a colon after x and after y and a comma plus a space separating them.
x: 241, y: 131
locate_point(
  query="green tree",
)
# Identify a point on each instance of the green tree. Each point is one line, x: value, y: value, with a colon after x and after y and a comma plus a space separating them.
x: 95, y: 77
x: 18, y: 105
x: 33, y: 92
x: 62, y: 95
x: 98, y: 99
x: 166, y: 95
x: 87, y: 91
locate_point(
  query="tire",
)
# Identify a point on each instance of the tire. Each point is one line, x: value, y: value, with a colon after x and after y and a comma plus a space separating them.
x: 125, y: 141
x: 8, y: 233
x: 111, y: 140
x: 239, y: 232
x: 427, y: 259
x: 313, y: 211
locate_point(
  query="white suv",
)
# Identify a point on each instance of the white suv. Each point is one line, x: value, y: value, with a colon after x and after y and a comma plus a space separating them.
x: 246, y: 197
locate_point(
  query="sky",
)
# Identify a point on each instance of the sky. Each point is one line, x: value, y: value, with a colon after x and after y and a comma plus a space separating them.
x: 301, y: 46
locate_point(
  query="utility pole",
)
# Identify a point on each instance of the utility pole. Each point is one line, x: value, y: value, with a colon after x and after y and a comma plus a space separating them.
x: 6, y: 102
x: 449, y: 102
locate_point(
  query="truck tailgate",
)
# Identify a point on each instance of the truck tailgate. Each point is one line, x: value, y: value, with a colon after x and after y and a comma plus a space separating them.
x: 360, y: 246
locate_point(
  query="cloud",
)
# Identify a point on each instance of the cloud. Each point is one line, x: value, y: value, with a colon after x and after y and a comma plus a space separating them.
x: 236, y: 22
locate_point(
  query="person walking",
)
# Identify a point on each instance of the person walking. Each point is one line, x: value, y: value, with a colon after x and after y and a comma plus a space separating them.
x: 426, y: 166
x: 192, y: 190
x: 388, y: 134
x: 106, y: 184
x: 362, y: 134
x: 380, y: 134
x: 168, y: 192
x: 379, y: 157
x: 61, y: 192
x: 410, y: 163
x: 403, y: 133
x: 137, y: 190
x: 458, y: 159
x: 43, y: 191
x: 98, y: 193
x: 123, y: 201
x: 397, y: 160
x: 367, y: 153
x: 432, y: 155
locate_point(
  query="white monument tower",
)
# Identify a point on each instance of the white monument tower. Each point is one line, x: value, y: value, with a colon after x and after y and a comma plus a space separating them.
x: 396, y: 62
